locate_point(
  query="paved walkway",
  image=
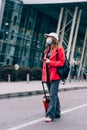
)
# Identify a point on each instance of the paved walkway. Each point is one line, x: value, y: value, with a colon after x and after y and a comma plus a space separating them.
x: 16, y: 89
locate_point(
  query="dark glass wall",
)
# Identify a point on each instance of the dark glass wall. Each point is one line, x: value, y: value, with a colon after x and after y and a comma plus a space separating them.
x: 22, y: 30
x: 9, y: 31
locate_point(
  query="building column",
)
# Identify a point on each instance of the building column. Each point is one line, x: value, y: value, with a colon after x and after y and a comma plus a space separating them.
x: 71, y: 33
x: 85, y: 61
x: 75, y: 35
x: 85, y: 56
x: 59, y: 21
x: 63, y: 27
x: 2, y: 6
x: 82, y: 55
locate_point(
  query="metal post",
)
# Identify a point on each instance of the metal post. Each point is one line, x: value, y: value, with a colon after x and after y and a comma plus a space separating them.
x: 82, y: 56
x: 9, y: 78
x: 75, y: 35
x: 59, y: 21
x: 71, y: 33
x: 63, y: 27
x: 28, y: 78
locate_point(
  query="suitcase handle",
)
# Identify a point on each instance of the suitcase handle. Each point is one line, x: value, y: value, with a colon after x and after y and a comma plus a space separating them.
x: 44, y: 90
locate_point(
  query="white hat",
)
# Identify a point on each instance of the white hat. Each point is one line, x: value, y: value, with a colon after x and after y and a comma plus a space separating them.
x: 55, y: 35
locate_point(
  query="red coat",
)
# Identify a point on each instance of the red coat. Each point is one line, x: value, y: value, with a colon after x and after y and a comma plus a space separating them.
x: 53, y: 64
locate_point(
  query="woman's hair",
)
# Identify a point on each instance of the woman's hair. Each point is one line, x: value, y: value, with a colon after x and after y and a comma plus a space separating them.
x: 55, y: 41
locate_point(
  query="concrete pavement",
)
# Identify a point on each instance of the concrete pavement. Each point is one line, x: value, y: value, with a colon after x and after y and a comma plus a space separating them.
x: 18, y: 89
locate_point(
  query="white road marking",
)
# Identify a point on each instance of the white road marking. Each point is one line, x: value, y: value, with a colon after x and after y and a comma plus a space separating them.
x: 26, y: 124
x: 75, y: 108
x: 41, y: 119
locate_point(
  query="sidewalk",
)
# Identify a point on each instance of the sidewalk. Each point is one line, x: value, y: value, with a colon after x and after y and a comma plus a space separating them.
x: 17, y: 89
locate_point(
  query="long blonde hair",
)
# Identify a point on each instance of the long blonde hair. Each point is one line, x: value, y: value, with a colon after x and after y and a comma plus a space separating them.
x: 55, y: 42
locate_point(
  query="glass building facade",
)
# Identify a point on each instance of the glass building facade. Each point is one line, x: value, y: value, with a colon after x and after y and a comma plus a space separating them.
x: 22, y: 34
x: 9, y: 31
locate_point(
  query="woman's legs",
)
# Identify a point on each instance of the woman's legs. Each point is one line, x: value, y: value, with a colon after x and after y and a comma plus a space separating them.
x: 54, y: 100
x: 48, y: 85
x: 57, y: 109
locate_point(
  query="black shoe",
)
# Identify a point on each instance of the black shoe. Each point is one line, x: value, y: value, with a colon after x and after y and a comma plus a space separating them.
x: 57, y: 116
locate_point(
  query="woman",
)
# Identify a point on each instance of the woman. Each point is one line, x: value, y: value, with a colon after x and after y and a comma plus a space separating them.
x: 50, y: 75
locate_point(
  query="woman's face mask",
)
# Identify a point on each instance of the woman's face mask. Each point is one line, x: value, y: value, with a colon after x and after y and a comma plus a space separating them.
x: 49, y: 40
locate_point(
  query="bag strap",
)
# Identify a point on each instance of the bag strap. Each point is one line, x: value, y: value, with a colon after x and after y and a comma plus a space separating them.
x: 57, y: 55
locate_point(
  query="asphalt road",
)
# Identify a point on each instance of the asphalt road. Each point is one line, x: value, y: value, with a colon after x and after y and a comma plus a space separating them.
x: 27, y: 113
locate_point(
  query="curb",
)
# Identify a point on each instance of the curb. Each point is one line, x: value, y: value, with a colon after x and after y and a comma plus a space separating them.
x: 31, y: 93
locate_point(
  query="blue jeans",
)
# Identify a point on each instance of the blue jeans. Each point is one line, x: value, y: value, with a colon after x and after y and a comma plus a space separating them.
x: 54, y: 100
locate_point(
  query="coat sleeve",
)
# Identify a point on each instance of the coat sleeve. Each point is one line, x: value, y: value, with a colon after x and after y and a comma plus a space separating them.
x: 61, y: 59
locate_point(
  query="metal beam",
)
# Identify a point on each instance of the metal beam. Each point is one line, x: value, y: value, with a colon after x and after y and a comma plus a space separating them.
x: 63, y: 26
x: 50, y: 1
x: 84, y: 46
x: 75, y: 35
x: 2, y: 6
x: 71, y: 33
x: 59, y: 21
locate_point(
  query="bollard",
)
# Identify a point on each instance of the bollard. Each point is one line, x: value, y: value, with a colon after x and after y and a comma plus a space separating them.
x: 9, y: 78
x: 28, y: 78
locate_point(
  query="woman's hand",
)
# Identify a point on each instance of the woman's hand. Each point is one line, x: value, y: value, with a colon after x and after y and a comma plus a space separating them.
x: 47, y: 61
